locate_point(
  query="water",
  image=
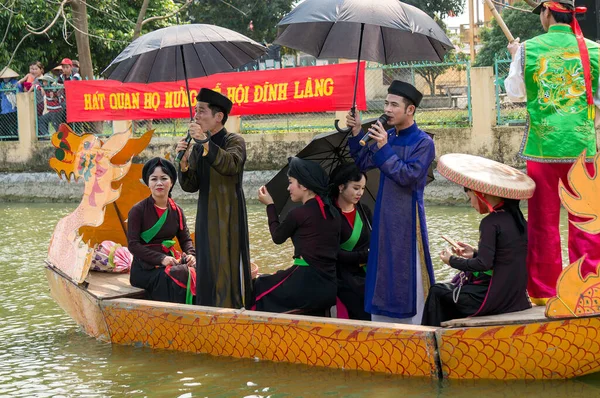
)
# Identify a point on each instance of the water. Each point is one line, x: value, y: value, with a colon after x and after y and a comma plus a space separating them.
x: 44, y: 353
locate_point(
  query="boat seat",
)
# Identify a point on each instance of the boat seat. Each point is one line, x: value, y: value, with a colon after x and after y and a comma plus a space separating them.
x: 531, y: 315
x: 106, y: 286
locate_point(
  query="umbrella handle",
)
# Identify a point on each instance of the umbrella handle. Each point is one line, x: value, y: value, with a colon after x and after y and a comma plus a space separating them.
x: 341, y: 130
x: 188, y: 139
x: 347, y: 130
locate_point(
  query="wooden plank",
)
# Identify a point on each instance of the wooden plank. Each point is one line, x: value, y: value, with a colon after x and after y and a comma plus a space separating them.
x: 531, y: 315
x: 106, y: 286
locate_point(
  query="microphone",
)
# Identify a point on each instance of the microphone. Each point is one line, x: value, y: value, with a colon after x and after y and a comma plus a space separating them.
x: 188, y: 139
x: 383, y: 119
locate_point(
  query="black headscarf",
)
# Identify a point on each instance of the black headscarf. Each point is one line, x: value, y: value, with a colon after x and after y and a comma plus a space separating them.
x: 343, y: 174
x: 312, y: 176
x: 166, y: 166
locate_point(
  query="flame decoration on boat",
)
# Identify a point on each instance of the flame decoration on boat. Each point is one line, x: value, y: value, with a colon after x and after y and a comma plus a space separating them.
x: 103, y: 166
x: 576, y: 295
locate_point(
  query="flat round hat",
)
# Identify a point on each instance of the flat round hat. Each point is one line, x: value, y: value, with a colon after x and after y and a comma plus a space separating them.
x: 486, y: 176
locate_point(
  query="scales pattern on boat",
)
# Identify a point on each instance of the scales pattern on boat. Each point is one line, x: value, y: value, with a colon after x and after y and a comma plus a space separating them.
x: 563, y: 342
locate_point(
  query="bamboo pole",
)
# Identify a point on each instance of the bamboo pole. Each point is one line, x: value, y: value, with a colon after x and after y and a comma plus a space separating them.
x: 500, y: 21
x: 471, y: 31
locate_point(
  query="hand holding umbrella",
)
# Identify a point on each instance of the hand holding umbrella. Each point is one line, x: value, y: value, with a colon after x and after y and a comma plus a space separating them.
x: 384, y: 31
x: 182, y: 52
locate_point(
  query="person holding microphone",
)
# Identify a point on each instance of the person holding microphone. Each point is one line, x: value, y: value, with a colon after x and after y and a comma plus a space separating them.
x: 399, y: 269
x: 214, y: 169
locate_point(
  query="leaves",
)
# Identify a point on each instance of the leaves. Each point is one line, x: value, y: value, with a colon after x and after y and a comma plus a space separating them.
x: 111, y: 24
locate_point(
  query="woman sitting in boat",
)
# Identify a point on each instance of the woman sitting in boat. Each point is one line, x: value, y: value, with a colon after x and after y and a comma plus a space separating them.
x: 157, y: 267
x: 493, y: 277
x: 309, y: 286
x: 347, y: 187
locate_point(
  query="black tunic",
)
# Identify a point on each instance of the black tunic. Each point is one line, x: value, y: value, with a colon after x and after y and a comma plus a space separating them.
x: 223, y: 259
x: 316, y: 240
x: 502, y: 249
x: 146, y: 270
x: 350, y: 272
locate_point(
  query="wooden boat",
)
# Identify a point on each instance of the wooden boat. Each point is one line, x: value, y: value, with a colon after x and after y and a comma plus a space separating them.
x: 561, y: 340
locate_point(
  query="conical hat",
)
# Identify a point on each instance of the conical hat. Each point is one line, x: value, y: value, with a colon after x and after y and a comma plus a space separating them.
x: 486, y: 176
x: 8, y: 73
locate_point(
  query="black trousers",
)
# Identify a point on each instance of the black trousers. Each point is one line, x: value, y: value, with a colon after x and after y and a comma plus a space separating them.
x: 440, y: 305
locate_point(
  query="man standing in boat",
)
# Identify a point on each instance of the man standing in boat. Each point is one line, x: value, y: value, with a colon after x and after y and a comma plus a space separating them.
x: 215, y: 170
x: 556, y: 73
x: 399, y: 270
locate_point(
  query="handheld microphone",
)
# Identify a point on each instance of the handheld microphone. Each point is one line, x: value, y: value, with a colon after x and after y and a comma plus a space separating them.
x: 383, y: 119
x: 188, y: 139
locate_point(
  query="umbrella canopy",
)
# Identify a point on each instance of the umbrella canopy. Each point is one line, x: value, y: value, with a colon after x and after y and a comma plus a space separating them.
x: 329, y: 150
x: 393, y: 31
x: 206, y: 49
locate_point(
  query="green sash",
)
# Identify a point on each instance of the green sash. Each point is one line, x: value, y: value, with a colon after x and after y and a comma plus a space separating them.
x: 351, y: 242
x: 349, y: 245
x: 476, y: 274
x: 148, y: 235
x: 300, y: 262
x: 189, y: 297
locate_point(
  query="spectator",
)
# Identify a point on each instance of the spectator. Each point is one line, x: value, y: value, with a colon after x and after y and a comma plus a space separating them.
x: 8, y: 104
x: 53, y: 107
x: 36, y: 70
x: 75, y: 67
x: 66, y: 75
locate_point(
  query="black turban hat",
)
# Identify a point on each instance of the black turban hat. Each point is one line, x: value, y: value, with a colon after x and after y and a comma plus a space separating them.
x: 312, y: 176
x: 167, y: 168
x: 216, y: 99
x: 406, y: 90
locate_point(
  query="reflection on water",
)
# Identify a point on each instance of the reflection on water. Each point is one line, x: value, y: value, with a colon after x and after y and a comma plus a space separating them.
x: 43, y: 352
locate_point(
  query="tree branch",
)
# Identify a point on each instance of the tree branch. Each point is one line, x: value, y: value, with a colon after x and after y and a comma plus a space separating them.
x: 509, y: 6
x: 140, y: 21
x: 37, y: 33
x: 59, y: 12
x: 8, y: 24
x: 183, y: 7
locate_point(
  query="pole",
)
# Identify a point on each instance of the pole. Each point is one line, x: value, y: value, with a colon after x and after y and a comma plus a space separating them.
x: 362, y: 29
x: 471, y: 31
x: 353, y: 109
x: 500, y: 21
x: 188, y: 137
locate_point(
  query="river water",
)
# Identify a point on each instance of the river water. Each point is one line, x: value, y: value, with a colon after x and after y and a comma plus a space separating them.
x: 44, y: 353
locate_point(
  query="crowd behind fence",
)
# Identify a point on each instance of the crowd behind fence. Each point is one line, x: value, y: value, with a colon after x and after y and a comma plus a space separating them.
x: 446, y: 103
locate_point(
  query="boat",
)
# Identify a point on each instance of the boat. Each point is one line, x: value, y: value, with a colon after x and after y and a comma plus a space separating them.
x: 558, y: 341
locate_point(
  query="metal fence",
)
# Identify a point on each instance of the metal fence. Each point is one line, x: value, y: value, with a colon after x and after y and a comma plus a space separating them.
x: 446, y: 103
x: 508, y: 112
x: 446, y: 89
x: 48, y: 117
x: 9, y: 124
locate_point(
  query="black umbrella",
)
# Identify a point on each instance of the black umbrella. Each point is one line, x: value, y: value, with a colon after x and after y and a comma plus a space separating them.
x: 384, y: 31
x: 329, y: 150
x: 183, y: 52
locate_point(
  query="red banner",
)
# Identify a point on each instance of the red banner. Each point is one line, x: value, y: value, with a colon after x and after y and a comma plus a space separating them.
x: 292, y: 90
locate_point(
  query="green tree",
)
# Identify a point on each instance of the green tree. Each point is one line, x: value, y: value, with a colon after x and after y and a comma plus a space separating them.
x: 521, y: 24
x: 256, y: 19
x: 430, y: 73
x: 110, y: 29
x: 438, y: 8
